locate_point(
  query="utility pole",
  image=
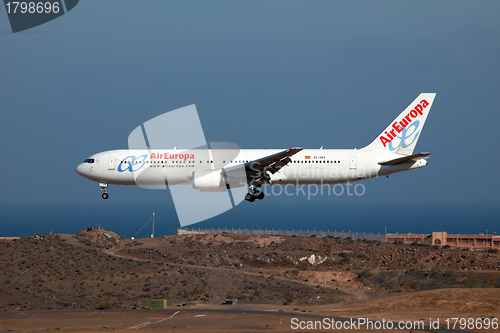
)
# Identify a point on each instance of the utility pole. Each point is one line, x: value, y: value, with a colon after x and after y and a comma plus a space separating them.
x: 153, y: 234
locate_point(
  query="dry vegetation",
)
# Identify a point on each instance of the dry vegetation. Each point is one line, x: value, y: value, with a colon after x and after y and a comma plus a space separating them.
x: 96, y: 269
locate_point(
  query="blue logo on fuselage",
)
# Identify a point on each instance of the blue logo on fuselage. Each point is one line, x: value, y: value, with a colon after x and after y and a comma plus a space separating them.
x: 132, y: 163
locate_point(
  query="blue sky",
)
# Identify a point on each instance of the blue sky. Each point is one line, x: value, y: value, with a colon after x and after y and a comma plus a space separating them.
x: 262, y: 75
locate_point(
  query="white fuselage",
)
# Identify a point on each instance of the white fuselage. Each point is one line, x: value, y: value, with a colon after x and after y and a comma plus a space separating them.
x: 228, y: 167
x: 176, y: 167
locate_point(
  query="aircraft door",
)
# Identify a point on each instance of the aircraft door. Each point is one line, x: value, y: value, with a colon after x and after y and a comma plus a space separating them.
x: 353, y: 162
x: 111, y: 163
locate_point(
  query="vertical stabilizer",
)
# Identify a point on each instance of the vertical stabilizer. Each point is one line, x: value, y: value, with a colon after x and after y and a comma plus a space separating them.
x: 402, y: 134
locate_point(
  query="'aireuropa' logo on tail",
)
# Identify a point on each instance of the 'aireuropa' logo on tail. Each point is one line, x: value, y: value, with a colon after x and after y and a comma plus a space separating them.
x: 28, y: 14
x: 407, y: 130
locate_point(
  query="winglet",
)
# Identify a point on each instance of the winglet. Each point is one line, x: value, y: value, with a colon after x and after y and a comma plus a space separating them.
x: 294, y: 150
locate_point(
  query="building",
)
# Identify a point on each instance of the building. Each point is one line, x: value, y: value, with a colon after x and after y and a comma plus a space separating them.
x: 443, y: 238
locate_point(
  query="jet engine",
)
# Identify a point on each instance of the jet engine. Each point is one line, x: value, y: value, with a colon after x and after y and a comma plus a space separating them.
x: 209, y: 181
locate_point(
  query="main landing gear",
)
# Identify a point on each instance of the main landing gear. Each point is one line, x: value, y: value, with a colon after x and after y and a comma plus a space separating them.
x: 104, y: 187
x: 254, y: 193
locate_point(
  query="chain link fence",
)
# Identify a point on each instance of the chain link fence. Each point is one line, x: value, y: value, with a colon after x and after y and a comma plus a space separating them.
x: 286, y: 232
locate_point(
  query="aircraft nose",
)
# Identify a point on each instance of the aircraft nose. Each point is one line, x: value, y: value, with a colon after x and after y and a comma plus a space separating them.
x: 79, y: 170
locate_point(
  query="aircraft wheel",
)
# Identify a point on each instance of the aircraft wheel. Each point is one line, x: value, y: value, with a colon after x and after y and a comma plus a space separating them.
x: 259, y: 195
x: 249, y: 197
x: 105, y: 196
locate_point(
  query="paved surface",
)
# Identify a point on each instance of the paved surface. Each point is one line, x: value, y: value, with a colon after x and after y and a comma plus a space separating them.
x: 184, y: 319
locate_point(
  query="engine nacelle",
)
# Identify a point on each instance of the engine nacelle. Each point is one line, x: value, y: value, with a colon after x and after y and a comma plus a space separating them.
x: 209, y: 181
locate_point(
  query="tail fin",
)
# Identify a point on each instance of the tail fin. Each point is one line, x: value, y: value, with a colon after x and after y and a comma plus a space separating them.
x: 401, y: 136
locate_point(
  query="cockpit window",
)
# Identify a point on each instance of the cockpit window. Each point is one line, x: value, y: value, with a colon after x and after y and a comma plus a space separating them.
x: 89, y: 160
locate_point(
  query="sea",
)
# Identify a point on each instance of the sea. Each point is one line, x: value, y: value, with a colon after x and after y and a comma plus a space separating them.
x: 134, y: 219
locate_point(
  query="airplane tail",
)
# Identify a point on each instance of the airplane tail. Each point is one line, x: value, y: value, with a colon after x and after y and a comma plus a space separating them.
x: 402, y: 134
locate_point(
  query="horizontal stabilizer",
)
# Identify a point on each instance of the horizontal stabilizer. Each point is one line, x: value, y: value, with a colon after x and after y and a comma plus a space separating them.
x: 415, y: 157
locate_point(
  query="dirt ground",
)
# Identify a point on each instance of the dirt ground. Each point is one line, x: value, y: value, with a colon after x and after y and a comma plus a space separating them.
x: 424, y: 305
x: 413, y: 306
x: 96, y: 280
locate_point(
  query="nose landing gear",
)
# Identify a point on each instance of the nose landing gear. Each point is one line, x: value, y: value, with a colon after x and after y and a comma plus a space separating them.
x: 104, y: 187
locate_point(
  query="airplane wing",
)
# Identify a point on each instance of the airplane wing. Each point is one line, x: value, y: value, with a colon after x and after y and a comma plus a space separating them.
x: 272, y: 163
x: 256, y: 170
x: 415, y: 157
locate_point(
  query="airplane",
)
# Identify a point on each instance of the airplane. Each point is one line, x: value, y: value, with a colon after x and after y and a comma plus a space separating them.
x: 217, y: 170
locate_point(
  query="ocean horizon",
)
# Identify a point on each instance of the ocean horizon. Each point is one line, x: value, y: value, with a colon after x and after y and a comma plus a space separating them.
x: 127, y: 219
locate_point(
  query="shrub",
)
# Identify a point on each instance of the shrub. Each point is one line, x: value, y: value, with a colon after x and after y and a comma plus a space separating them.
x: 436, y: 271
x: 410, y: 284
x: 449, y: 273
x: 420, y: 267
x: 105, y: 306
x: 346, y: 260
x: 365, y: 274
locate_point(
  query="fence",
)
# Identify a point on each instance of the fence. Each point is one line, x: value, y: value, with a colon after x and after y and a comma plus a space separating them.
x: 285, y: 232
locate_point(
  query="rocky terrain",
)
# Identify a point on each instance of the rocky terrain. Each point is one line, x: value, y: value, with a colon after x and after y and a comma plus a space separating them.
x: 97, y: 269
